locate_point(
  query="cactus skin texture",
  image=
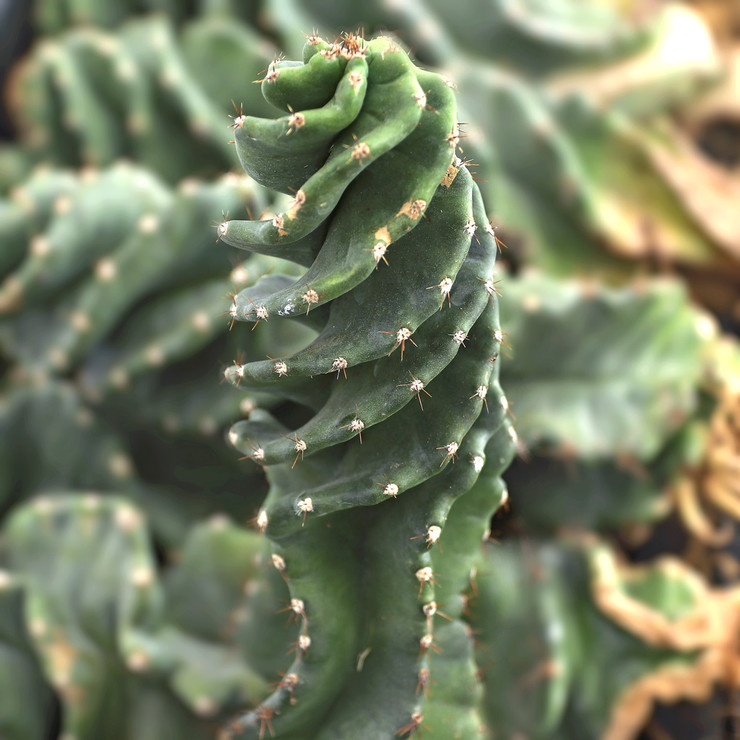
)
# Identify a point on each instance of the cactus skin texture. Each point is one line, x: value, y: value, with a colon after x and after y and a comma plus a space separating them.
x: 378, y: 502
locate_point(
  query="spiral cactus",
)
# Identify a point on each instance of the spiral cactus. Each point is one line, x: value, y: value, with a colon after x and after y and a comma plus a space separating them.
x: 377, y: 502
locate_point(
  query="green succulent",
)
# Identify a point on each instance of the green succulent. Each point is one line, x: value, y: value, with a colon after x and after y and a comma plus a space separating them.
x: 368, y: 384
x: 112, y: 303
x: 145, y: 90
x: 400, y: 385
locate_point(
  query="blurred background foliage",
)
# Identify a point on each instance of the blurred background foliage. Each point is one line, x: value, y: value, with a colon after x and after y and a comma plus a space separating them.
x: 134, y: 601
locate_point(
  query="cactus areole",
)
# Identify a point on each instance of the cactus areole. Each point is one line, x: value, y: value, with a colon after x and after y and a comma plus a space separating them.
x: 377, y: 503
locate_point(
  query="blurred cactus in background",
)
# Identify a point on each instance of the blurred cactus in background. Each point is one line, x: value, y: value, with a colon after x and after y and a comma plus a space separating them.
x: 146, y: 90
x: 135, y: 599
x: 109, y: 305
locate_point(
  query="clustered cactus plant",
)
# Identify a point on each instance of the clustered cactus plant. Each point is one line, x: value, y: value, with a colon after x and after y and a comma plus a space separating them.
x: 84, y: 340
x: 146, y: 90
x: 134, y: 602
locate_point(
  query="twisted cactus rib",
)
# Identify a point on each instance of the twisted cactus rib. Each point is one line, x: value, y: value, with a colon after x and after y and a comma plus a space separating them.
x: 402, y: 379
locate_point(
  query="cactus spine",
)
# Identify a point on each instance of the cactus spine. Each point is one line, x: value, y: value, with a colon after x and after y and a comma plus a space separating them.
x: 378, y: 502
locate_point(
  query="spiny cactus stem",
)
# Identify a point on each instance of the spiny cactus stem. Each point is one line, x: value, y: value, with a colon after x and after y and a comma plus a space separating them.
x: 379, y: 157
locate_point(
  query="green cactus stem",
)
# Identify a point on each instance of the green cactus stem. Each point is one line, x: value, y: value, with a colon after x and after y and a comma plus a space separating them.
x: 401, y: 380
